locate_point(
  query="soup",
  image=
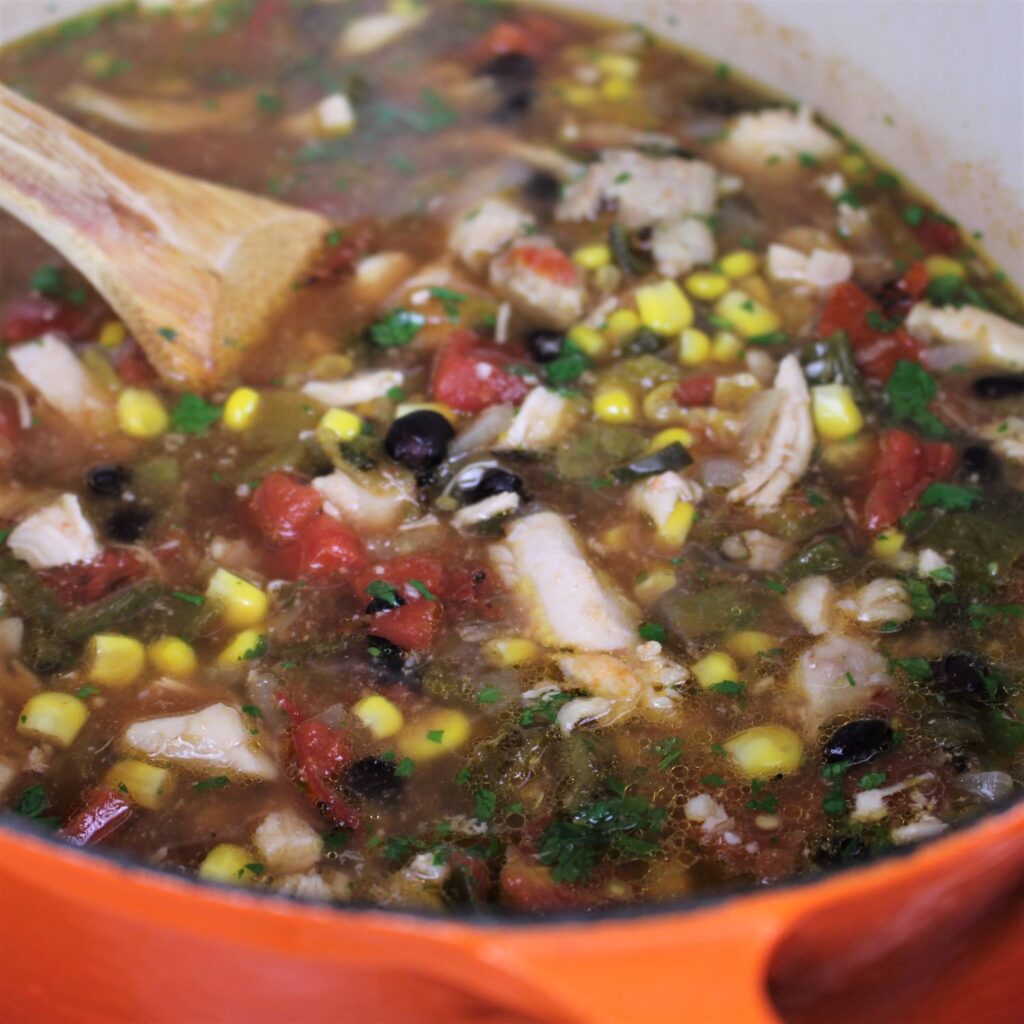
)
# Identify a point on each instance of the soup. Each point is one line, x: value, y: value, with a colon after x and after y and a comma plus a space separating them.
x: 627, y: 505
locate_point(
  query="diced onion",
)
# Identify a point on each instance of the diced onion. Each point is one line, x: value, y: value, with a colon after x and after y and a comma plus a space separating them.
x: 721, y: 471
x: 484, y: 430
x: 990, y: 786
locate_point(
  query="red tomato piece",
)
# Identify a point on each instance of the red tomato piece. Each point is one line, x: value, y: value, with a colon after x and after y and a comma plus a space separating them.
x: 697, y: 389
x: 938, y: 236
x: 338, y: 260
x: 103, y: 812
x: 320, y: 755
x: 548, y: 261
x: 87, y: 582
x: 471, y: 590
x: 327, y: 552
x: 413, y: 626
x: 132, y: 365
x: 915, y: 280
x: 470, y: 377
x: 533, y: 36
x: 906, y: 466
x: 528, y: 886
x: 399, y: 571
x: 284, y: 507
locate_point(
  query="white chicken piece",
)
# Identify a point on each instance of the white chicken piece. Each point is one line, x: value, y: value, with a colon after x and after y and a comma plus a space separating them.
x: 778, y: 134
x: 552, y: 301
x: 542, y: 562
x: 215, y: 739
x: 53, y: 370
x: 759, y: 550
x: 544, y: 418
x: 657, y: 496
x: 1007, y: 437
x: 482, y: 511
x: 58, y: 534
x: 378, y: 275
x: 375, y: 31
x: 821, y: 270
x: 930, y: 562
x: 781, y: 452
x: 869, y: 805
x: 614, y: 689
x: 924, y: 826
x: 364, y: 387
x: 837, y: 675
x: 679, y: 246
x: 306, y: 885
x: 481, y: 233
x: 994, y: 338
x: 708, y: 812
x: 375, y: 502
x: 881, y: 600
x: 811, y: 602
x: 644, y: 190
x: 287, y: 844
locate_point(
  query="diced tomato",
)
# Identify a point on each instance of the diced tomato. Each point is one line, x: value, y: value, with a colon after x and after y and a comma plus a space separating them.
x: 86, y: 582
x: 697, y: 389
x: 320, y: 755
x: 938, y: 236
x: 284, y: 507
x: 399, y: 571
x: 877, y: 351
x: 528, y: 886
x: 338, y: 259
x: 132, y: 366
x: 470, y: 377
x: 471, y: 590
x: 906, y: 466
x: 327, y: 552
x: 915, y: 280
x: 548, y: 261
x: 533, y: 36
x: 413, y: 626
x: 103, y: 812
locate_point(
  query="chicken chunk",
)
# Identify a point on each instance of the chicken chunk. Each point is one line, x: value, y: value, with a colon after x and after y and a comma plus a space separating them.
x: 821, y: 269
x: 287, y: 844
x: 58, y: 534
x: 778, y: 134
x: 372, y: 32
x: 364, y: 387
x: 811, y: 602
x: 542, y: 562
x: 541, y: 282
x: 657, y: 496
x: 994, y: 338
x: 543, y: 419
x: 781, y: 451
x: 215, y: 739
x: 483, y: 232
x: 374, y: 502
x: 681, y: 245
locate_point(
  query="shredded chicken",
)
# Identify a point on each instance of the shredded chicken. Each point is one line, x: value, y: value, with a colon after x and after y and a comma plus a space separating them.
x: 159, y: 115
x: 551, y: 301
x: 778, y: 134
x: 484, y: 231
x: 994, y: 338
x: 373, y: 502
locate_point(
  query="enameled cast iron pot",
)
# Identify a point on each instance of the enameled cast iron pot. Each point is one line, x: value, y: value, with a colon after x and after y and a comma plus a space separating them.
x: 933, y: 934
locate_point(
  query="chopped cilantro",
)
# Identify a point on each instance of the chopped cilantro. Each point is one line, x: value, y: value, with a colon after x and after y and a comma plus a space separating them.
x: 916, y: 668
x: 922, y: 604
x: 396, y: 394
x: 914, y: 215
x: 485, y: 803
x: 335, y: 840
x: 950, y: 496
x: 911, y: 390
x: 779, y: 588
x: 252, y: 711
x: 877, y: 322
x: 435, y: 735
x: 255, y: 868
x: 729, y: 687
x: 489, y: 695
x: 714, y: 779
x: 405, y: 767
x: 850, y: 680
x: 652, y: 631
x: 197, y: 599
x: 396, y: 329
x: 544, y: 709
x: 217, y: 782
x: 193, y: 414
x: 769, y: 339
x: 385, y: 592
x: 669, y: 750
x: 451, y: 300
x: 872, y: 780
x: 34, y: 803
x: 808, y: 160
x: 421, y: 588
x: 168, y: 333
x: 571, y: 363
x: 257, y: 650
x: 86, y: 691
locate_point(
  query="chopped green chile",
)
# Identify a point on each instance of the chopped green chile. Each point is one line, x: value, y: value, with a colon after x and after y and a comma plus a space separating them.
x: 620, y: 614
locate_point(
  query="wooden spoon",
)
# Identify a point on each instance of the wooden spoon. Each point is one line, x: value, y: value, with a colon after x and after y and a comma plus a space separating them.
x: 193, y: 269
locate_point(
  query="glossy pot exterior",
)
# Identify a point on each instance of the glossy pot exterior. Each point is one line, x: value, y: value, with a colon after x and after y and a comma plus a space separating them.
x: 934, y: 934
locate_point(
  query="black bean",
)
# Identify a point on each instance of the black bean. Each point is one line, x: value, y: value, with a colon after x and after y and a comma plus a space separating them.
x: 380, y: 604
x: 840, y: 850
x: 722, y: 103
x: 509, y: 68
x: 385, y: 655
x: 1002, y: 385
x: 419, y: 440
x: 491, y: 482
x: 374, y: 779
x: 542, y: 187
x: 961, y: 677
x: 858, y: 742
x: 128, y: 523
x: 545, y: 346
x: 108, y: 481
x: 514, y: 103
x: 980, y: 463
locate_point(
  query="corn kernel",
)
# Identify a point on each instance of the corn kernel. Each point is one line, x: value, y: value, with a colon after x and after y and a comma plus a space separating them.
x: 591, y: 257
x: 749, y: 643
x: 615, y: 405
x: 746, y: 314
x: 714, y: 668
x: 673, y: 435
x: 229, y: 864
x: 439, y: 407
x: 618, y: 64
x: 853, y: 164
x: 617, y: 538
x: 507, y: 651
x: 707, y: 286
x: 112, y: 334
x: 694, y: 347
x: 115, y: 660
x: 664, y: 308
x: 55, y: 717
x: 438, y: 732
x: 889, y: 543
x: 587, y: 340
x: 240, y: 409
x: 140, y: 414
x: 943, y: 266
x: 344, y: 425
x: 580, y: 95
x: 245, y: 646
x: 766, y: 750
x: 651, y: 587
x: 172, y: 656
x: 726, y: 348
x: 242, y: 603
x: 146, y: 784
x: 380, y: 716
x: 836, y: 415
x: 616, y: 89
x: 738, y: 264
x: 674, y: 531
x: 622, y: 324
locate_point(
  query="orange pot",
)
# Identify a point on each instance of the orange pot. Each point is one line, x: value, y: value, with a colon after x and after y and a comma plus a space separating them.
x: 933, y: 934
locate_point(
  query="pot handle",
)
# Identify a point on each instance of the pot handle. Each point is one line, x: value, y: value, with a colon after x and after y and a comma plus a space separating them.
x: 629, y: 973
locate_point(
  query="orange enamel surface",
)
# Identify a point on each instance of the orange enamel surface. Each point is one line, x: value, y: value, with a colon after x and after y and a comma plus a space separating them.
x: 89, y: 940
